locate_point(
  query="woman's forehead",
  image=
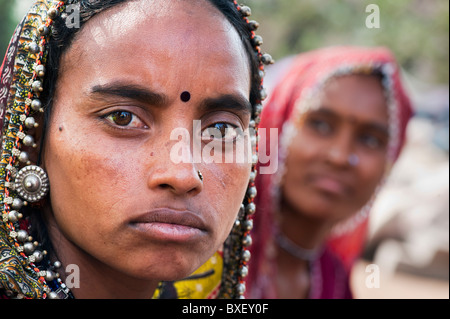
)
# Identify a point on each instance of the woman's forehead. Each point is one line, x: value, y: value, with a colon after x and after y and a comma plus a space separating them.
x: 184, y: 40
x: 143, y: 17
x: 357, y: 95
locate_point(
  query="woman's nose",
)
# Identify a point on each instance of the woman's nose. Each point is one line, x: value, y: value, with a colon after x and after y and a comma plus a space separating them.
x: 341, y: 149
x: 181, y: 178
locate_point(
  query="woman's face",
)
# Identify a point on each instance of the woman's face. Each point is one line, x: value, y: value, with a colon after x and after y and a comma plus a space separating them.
x: 117, y: 195
x: 338, y: 156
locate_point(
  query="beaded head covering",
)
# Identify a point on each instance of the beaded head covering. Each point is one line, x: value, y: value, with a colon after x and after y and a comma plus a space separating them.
x: 295, y: 92
x: 25, y: 269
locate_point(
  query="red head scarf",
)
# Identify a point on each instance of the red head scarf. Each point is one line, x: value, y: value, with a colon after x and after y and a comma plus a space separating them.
x: 305, y: 76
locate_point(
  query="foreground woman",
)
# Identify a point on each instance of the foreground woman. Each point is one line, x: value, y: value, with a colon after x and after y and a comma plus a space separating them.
x: 88, y: 183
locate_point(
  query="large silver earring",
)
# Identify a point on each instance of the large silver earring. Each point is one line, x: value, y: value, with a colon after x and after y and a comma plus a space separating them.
x: 32, y: 183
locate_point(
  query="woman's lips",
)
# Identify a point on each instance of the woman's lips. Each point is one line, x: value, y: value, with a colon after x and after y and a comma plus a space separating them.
x: 170, y: 225
x: 330, y: 185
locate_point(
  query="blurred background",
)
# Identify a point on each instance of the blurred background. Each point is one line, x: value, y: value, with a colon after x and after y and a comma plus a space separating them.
x: 409, y: 227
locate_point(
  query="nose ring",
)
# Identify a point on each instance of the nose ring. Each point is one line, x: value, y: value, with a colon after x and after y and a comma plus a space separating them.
x: 353, y: 160
x: 200, y: 175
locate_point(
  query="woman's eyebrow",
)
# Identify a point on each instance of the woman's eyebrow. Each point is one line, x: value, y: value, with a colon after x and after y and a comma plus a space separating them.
x: 142, y: 94
x: 377, y: 127
x: 129, y: 91
x: 227, y: 102
x: 372, y: 125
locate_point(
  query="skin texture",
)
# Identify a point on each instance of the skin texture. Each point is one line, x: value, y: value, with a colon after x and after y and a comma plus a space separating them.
x: 121, y: 209
x: 321, y: 187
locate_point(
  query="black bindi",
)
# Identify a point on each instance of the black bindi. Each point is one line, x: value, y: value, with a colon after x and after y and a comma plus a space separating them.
x: 185, y: 96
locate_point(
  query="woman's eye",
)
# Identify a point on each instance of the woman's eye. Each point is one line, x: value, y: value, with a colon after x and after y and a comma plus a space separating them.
x: 371, y: 141
x: 125, y: 119
x: 320, y: 126
x: 223, y: 131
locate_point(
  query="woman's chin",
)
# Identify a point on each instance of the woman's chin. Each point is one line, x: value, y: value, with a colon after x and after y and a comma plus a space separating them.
x: 164, y: 271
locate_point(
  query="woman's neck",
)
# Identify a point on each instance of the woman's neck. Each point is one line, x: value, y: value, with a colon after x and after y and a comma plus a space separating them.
x: 302, y: 230
x: 299, y: 243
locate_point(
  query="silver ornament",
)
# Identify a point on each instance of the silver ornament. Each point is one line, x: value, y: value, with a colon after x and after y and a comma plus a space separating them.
x: 32, y: 183
x: 22, y: 235
x: 38, y: 256
x: 28, y: 248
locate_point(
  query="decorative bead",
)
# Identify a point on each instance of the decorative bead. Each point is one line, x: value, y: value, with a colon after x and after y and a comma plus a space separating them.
x: 57, y: 264
x: 267, y: 59
x: 252, y: 178
x: 241, y: 288
x: 259, y: 107
x: 28, y: 248
x: 251, y: 192
x: 15, y: 152
x: 257, y: 40
x: 22, y: 235
x: 248, y: 225
x: 13, y: 216
x: 34, y: 48
x: 253, y: 140
x: 243, y: 271
x: 253, y: 25
x: 38, y: 256
x: 43, y: 30
x: 247, y: 241
x: 52, y: 13
x: 246, y: 11
x: 50, y: 275
x: 40, y: 70
x: 30, y: 122
x: 262, y: 73
x: 17, y: 203
x: 29, y: 141
x: 246, y: 255
x: 37, y: 86
x: 263, y: 94
x: 36, y: 105
x: 23, y: 157
x: 251, y: 208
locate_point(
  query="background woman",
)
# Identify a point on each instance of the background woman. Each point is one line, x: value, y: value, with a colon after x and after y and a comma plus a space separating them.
x: 341, y: 114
